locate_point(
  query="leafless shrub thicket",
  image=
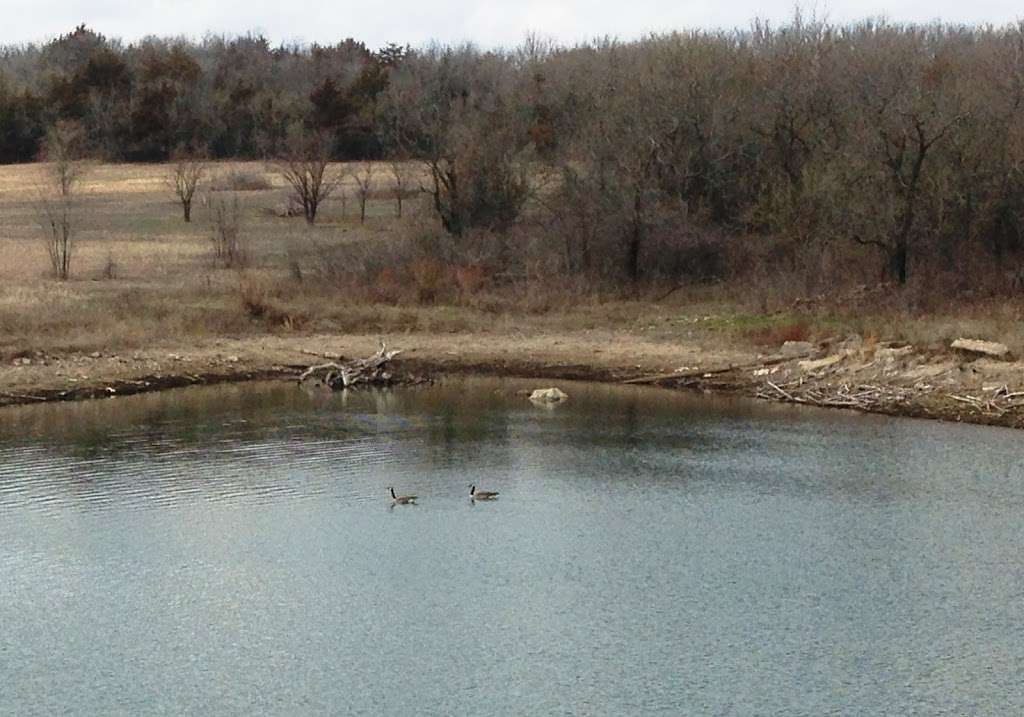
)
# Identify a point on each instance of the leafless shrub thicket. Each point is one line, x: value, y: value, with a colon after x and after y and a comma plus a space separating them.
x: 810, y: 156
x: 227, y: 231
x: 58, y: 201
x: 304, y: 165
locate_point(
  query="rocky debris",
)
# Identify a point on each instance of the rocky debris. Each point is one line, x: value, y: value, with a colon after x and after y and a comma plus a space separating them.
x: 867, y: 375
x: 819, y: 364
x: 797, y: 349
x: 929, y: 371
x: 894, y: 360
x: 990, y: 367
x: 893, y: 353
x: 978, y: 347
x: 852, y: 344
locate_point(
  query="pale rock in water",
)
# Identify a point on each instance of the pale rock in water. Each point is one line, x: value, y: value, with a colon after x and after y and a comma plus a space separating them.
x: 548, y: 395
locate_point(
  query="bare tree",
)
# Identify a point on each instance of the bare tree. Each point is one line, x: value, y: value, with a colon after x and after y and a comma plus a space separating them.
x: 63, y: 154
x: 910, y: 104
x: 399, y: 185
x: 453, y: 114
x: 364, y: 186
x: 186, y: 173
x: 304, y: 166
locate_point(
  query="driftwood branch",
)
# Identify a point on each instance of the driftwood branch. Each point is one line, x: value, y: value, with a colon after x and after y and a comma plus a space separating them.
x: 368, y: 371
x: 701, y: 372
x: 321, y: 354
x: 861, y: 397
x: 785, y: 395
x: 318, y: 368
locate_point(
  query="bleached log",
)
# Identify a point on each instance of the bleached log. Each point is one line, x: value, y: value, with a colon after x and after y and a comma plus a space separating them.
x: 372, y: 370
x: 320, y: 367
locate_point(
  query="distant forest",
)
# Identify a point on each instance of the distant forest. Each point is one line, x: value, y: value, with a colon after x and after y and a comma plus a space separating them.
x: 232, y: 98
x: 851, y: 153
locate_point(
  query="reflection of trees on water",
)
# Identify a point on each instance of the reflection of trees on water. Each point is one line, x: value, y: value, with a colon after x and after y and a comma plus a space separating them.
x: 267, y: 438
x: 181, y: 419
x: 263, y: 439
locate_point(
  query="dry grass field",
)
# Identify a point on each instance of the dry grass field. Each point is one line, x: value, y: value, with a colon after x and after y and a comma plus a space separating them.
x: 140, y: 274
x: 141, y: 277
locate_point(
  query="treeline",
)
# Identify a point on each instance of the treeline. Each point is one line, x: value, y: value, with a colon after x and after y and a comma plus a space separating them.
x: 228, y: 98
x: 822, y: 153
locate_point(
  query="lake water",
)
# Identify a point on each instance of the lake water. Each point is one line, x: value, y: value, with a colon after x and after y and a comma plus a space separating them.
x: 232, y: 551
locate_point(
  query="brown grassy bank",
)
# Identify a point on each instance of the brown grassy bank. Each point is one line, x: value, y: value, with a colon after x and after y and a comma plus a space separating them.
x: 147, y: 302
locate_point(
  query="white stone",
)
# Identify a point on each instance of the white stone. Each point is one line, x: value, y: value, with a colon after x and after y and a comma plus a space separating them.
x: 548, y: 395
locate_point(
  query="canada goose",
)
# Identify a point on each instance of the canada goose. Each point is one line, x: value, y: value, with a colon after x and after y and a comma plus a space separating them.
x: 402, y: 499
x: 481, y: 494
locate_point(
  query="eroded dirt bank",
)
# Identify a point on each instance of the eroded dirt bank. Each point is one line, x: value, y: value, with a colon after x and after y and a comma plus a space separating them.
x: 883, y: 378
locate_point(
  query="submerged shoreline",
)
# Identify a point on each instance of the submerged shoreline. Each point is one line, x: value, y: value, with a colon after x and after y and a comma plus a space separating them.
x: 896, y: 381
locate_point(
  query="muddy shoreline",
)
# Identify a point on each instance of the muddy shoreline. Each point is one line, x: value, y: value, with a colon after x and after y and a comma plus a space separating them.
x: 895, y: 381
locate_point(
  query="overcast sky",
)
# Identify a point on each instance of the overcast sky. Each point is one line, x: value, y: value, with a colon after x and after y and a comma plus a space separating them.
x: 496, y: 22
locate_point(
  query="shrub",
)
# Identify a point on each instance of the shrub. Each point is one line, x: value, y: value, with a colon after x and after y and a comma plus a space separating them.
x: 470, y: 279
x: 257, y: 305
x: 429, y: 277
x: 226, y: 233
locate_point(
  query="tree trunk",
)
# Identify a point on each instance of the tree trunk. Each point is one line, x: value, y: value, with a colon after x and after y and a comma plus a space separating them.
x: 633, y: 258
x: 446, y: 198
x: 898, y: 262
x: 635, y: 240
x: 900, y: 249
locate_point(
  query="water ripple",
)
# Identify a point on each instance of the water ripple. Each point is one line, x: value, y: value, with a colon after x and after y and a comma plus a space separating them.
x: 650, y: 553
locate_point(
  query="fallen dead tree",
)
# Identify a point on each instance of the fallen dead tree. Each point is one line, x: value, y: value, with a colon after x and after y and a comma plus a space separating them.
x: 372, y: 371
